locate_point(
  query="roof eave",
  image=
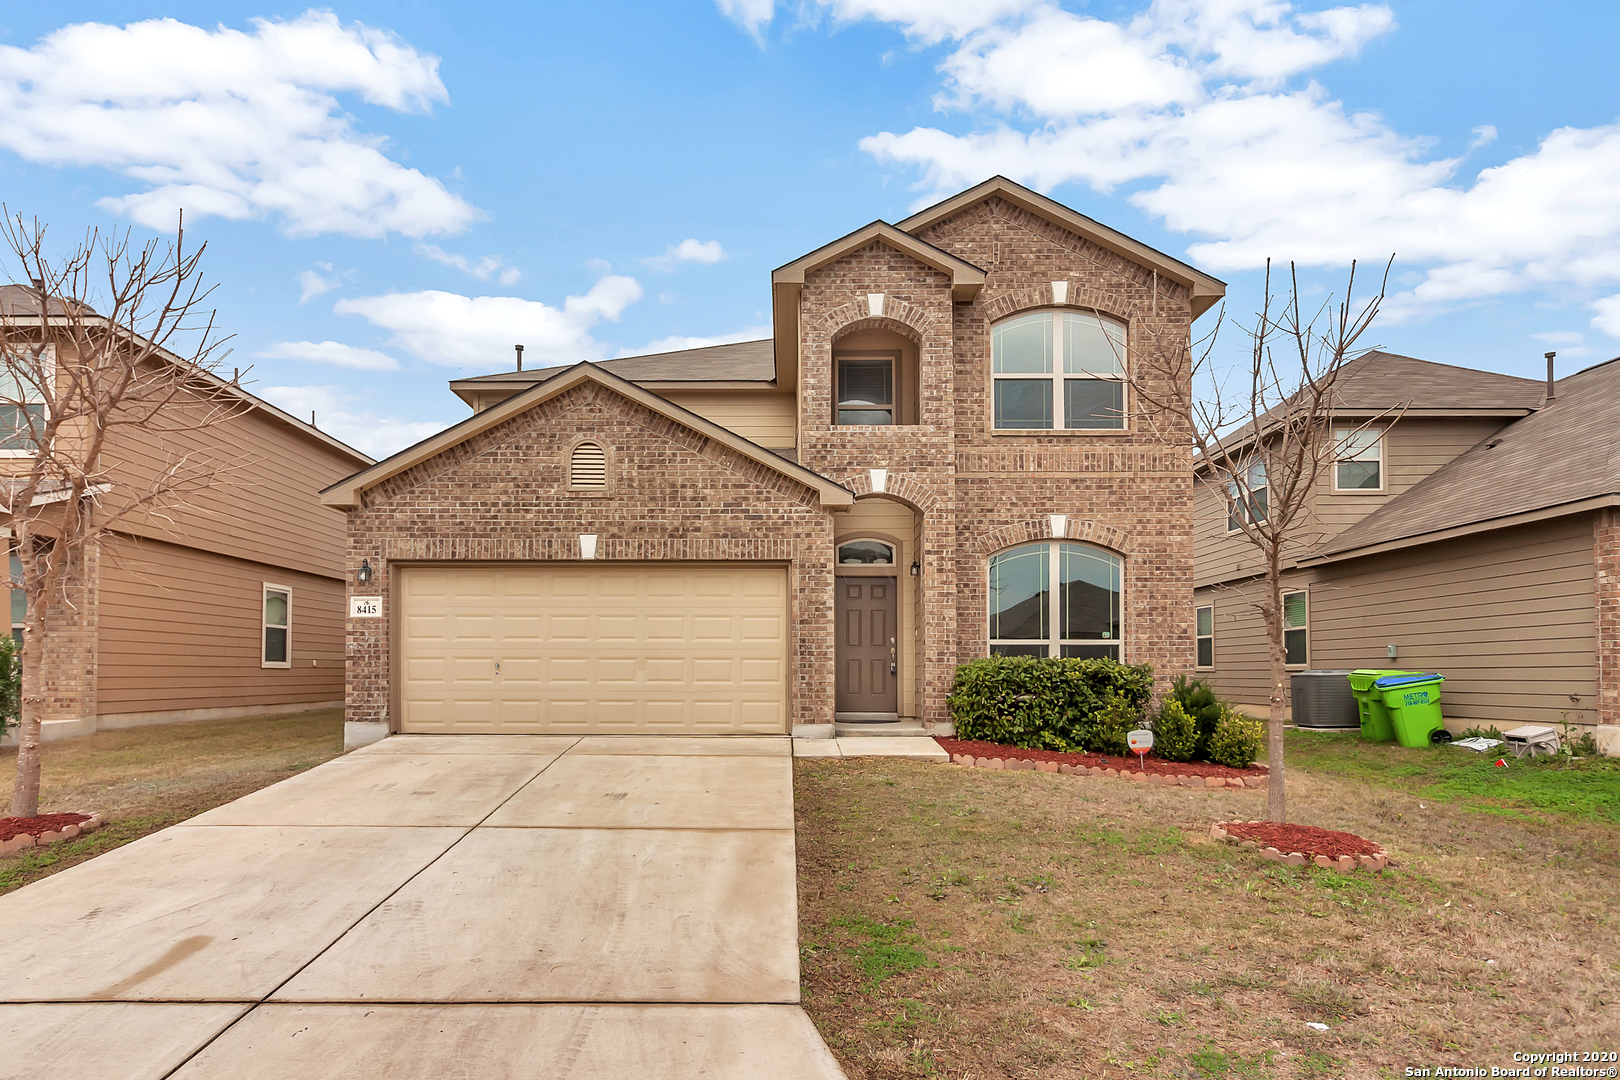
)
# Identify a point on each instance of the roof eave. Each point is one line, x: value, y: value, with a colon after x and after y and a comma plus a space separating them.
x: 1433, y: 536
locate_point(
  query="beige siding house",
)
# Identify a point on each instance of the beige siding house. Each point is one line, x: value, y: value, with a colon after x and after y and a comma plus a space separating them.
x: 933, y: 458
x: 1473, y: 537
x: 232, y: 607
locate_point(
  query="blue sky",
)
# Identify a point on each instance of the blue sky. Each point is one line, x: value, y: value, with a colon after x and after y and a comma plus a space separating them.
x: 394, y: 194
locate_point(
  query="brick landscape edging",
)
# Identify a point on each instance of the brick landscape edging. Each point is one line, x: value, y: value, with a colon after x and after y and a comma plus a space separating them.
x: 1344, y: 863
x: 27, y: 840
x: 1164, y: 779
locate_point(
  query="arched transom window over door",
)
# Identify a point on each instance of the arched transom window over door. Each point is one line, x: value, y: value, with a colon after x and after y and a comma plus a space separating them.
x: 1079, y: 617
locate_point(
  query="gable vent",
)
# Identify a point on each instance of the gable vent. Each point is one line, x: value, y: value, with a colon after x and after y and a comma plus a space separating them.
x: 588, y: 468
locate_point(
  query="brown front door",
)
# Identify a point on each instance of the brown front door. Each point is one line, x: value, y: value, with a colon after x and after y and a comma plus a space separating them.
x: 867, y: 646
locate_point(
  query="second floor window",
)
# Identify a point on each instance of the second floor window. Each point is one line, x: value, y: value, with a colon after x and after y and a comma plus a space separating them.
x: 1058, y: 370
x: 1247, y: 506
x: 22, y: 405
x: 866, y: 390
x: 1358, y: 463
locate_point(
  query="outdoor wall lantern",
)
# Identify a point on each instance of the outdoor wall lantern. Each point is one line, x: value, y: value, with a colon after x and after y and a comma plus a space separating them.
x: 916, y: 567
x: 363, y: 575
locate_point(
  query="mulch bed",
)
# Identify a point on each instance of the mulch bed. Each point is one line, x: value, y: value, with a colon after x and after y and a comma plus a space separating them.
x: 1150, y: 763
x: 35, y: 826
x: 1299, y: 844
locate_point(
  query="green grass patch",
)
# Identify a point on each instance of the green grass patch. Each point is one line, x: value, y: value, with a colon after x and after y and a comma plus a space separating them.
x: 1215, y: 1062
x: 890, y: 948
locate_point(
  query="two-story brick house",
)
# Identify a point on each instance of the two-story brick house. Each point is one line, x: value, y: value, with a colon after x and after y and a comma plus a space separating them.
x: 935, y: 457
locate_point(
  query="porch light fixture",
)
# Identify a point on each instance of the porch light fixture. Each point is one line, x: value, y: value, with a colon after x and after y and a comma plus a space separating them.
x: 363, y: 575
x: 916, y: 567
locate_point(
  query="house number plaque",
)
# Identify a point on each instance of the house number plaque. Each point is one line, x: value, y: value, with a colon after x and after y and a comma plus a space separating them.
x: 365, y: 607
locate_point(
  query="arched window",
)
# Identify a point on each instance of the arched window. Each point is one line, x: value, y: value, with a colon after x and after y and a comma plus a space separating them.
x: 865, y: 553
x: 1083, y: 620
x: 588, y: 466
x: 1058, y: 369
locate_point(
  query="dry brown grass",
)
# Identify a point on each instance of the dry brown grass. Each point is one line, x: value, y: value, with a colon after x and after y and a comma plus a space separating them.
x: 145, y: 779
x: 975, y: 924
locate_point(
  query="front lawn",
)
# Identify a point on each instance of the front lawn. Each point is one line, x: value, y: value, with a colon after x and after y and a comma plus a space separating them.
x: 972, y: 923
x: 145, y: 779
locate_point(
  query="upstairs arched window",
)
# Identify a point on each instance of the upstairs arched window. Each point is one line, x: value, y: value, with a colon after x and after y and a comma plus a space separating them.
x: 1055, y: 599
x: 587, y: 466
x: 1058, y: 370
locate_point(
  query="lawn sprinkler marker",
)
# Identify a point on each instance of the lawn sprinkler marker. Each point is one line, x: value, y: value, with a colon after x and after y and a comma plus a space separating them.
x: 1141, y: 741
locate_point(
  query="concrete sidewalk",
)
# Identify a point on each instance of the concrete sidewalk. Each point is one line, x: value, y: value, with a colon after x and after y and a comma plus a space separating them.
x: 430, y: 906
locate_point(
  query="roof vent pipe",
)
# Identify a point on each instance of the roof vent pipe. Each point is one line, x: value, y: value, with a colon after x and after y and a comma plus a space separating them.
x: 519, y: 349
x: 1552, y: 390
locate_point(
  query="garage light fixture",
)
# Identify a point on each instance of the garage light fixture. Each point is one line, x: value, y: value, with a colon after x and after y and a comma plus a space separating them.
x: 363, y: 575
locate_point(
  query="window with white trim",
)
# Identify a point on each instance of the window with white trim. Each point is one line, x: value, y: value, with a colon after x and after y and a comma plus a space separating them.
x: 865, y: 553
x: 1296, y: 629
x: 277, y: 638
x: 1358, y: 464
x: 1082, y: 621
x: 19, y: 600
x: 1239, y: 510
x: 1058, y: 370
x: 1205, y: 636
x: 22, y: 401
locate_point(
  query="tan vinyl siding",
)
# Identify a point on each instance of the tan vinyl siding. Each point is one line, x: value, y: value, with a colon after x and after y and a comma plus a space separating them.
x: 1506, y: 616
x: 761, y: 416
x: 180, y: 629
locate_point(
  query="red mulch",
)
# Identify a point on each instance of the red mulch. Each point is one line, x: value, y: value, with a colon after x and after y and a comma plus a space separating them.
x: 44, y: 823
x: 1305, y: 839
x: 1152, y: 764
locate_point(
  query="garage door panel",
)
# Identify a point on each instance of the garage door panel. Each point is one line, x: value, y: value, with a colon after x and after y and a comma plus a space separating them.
x: 588, y: 649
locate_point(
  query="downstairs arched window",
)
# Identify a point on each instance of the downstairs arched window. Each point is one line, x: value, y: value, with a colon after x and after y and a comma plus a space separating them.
x: 1055, y: 599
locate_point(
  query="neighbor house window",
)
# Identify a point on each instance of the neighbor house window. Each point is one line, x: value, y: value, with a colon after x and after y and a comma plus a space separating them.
x: 866, y: 390
x: 1239, y: 510
x: 865, y: 553
x: 22, y: 405
x: 1206, y: 636
x: 1081, y: 621
x: 19, y: 600
x: 1358, y: 463
x: 587, y: 466
x: 1058, y: 370
x: 277, y: 626
x: 1296, y: 628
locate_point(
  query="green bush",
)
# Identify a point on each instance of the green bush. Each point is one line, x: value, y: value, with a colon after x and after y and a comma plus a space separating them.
x: 1175, y: 734
x: 1040, y: 703
x: 1198, y: 699
x: 10, y: 685
x: 1108, y: 728
x: 1236, y: 742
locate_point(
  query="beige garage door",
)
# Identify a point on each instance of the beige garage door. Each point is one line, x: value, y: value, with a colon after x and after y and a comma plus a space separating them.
x: 594, y: 649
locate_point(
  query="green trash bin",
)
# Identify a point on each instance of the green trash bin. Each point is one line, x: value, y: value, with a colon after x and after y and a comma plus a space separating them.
x: 1413, y: 702
x: 1375, y: 725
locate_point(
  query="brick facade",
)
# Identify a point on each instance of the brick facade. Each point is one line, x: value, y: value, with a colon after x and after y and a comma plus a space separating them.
x: 1606, y: 608
x: 68, y: 665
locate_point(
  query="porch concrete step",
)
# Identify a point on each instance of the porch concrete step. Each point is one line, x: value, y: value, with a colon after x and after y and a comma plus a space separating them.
x: 897, y: 730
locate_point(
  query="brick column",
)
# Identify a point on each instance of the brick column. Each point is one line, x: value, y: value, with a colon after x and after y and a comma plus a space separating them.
x: 1606, y: 597
x: 69, y: 661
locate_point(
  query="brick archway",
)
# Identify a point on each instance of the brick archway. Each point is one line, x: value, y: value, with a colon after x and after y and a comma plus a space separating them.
x: 897, y: 486
x: 1037, y: 529
x: 906, y: 319
x: 1080, y: 297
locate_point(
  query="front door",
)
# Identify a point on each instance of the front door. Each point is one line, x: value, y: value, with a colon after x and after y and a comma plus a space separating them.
x: 867, y: 649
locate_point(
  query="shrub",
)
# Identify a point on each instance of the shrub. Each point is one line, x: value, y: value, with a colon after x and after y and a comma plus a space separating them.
x: 1236, y: 742
x: 1198, y: 699
x: 1040, y: 703
x: 10, y: 684
x: 1175, y: 734
x: 1108, y: 728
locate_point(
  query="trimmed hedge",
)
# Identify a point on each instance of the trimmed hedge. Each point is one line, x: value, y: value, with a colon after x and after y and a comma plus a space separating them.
x: 1040, y: 703
x: 1175, y: 734
x: 1236, y: 742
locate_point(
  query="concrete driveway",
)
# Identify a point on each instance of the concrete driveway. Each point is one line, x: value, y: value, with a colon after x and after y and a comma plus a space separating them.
x: 431, y: 907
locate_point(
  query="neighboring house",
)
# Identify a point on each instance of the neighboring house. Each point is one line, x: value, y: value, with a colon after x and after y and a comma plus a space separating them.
x: 1473, y: 533
x: 933, y: 458
x: 231, y: 606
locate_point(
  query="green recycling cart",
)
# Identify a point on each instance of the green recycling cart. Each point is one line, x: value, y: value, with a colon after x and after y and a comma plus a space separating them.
x: 1413, y: 702
x: 1375, y: 725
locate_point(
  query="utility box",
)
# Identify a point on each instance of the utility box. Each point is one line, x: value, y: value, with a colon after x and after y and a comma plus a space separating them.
x: 1322, y: 699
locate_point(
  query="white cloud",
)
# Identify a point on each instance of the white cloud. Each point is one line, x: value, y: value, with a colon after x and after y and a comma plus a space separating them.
x: 487, y: 266
x: 311, y: 283
x: 1484, y: 135
x: 702, y: 252
x: 1607, y: 318
x: 239, y: 125
x: 927, y: 21
x: 479, y: 331
x: 337, y: 415
x: 677, y: 342
x: 751, y: 15
x: 334, y: 353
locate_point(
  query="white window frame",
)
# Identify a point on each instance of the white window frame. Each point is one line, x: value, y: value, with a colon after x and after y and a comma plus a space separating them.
x: 1054, y: 577
x: 15, y: 575
x: 1236, y: 504
x: 1199, y: 637
x: 49, y: 355
x: 1302, y: 628
x: 264, y: 624
x: 1057, y: 377
x: 1341, y: 436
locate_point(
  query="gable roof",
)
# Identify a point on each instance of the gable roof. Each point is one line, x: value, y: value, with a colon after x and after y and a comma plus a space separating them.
x: 346, y: 493
x: 739, y: 361
x: 1206, y: 290
x: 1561, y: 459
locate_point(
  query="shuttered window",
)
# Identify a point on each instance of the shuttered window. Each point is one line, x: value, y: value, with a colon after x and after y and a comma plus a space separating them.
x: 588, y: 467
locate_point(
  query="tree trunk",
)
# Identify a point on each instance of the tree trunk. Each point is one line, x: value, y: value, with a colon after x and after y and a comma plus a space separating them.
x: 1276, y: 649
x: 25, y: 796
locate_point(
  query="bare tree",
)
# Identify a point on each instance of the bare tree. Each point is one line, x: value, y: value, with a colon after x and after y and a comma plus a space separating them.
x: 1263, y: 434
x: 80, y: 388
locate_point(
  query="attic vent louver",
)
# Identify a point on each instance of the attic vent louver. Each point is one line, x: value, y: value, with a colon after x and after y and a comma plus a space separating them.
x: 588, y: 468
